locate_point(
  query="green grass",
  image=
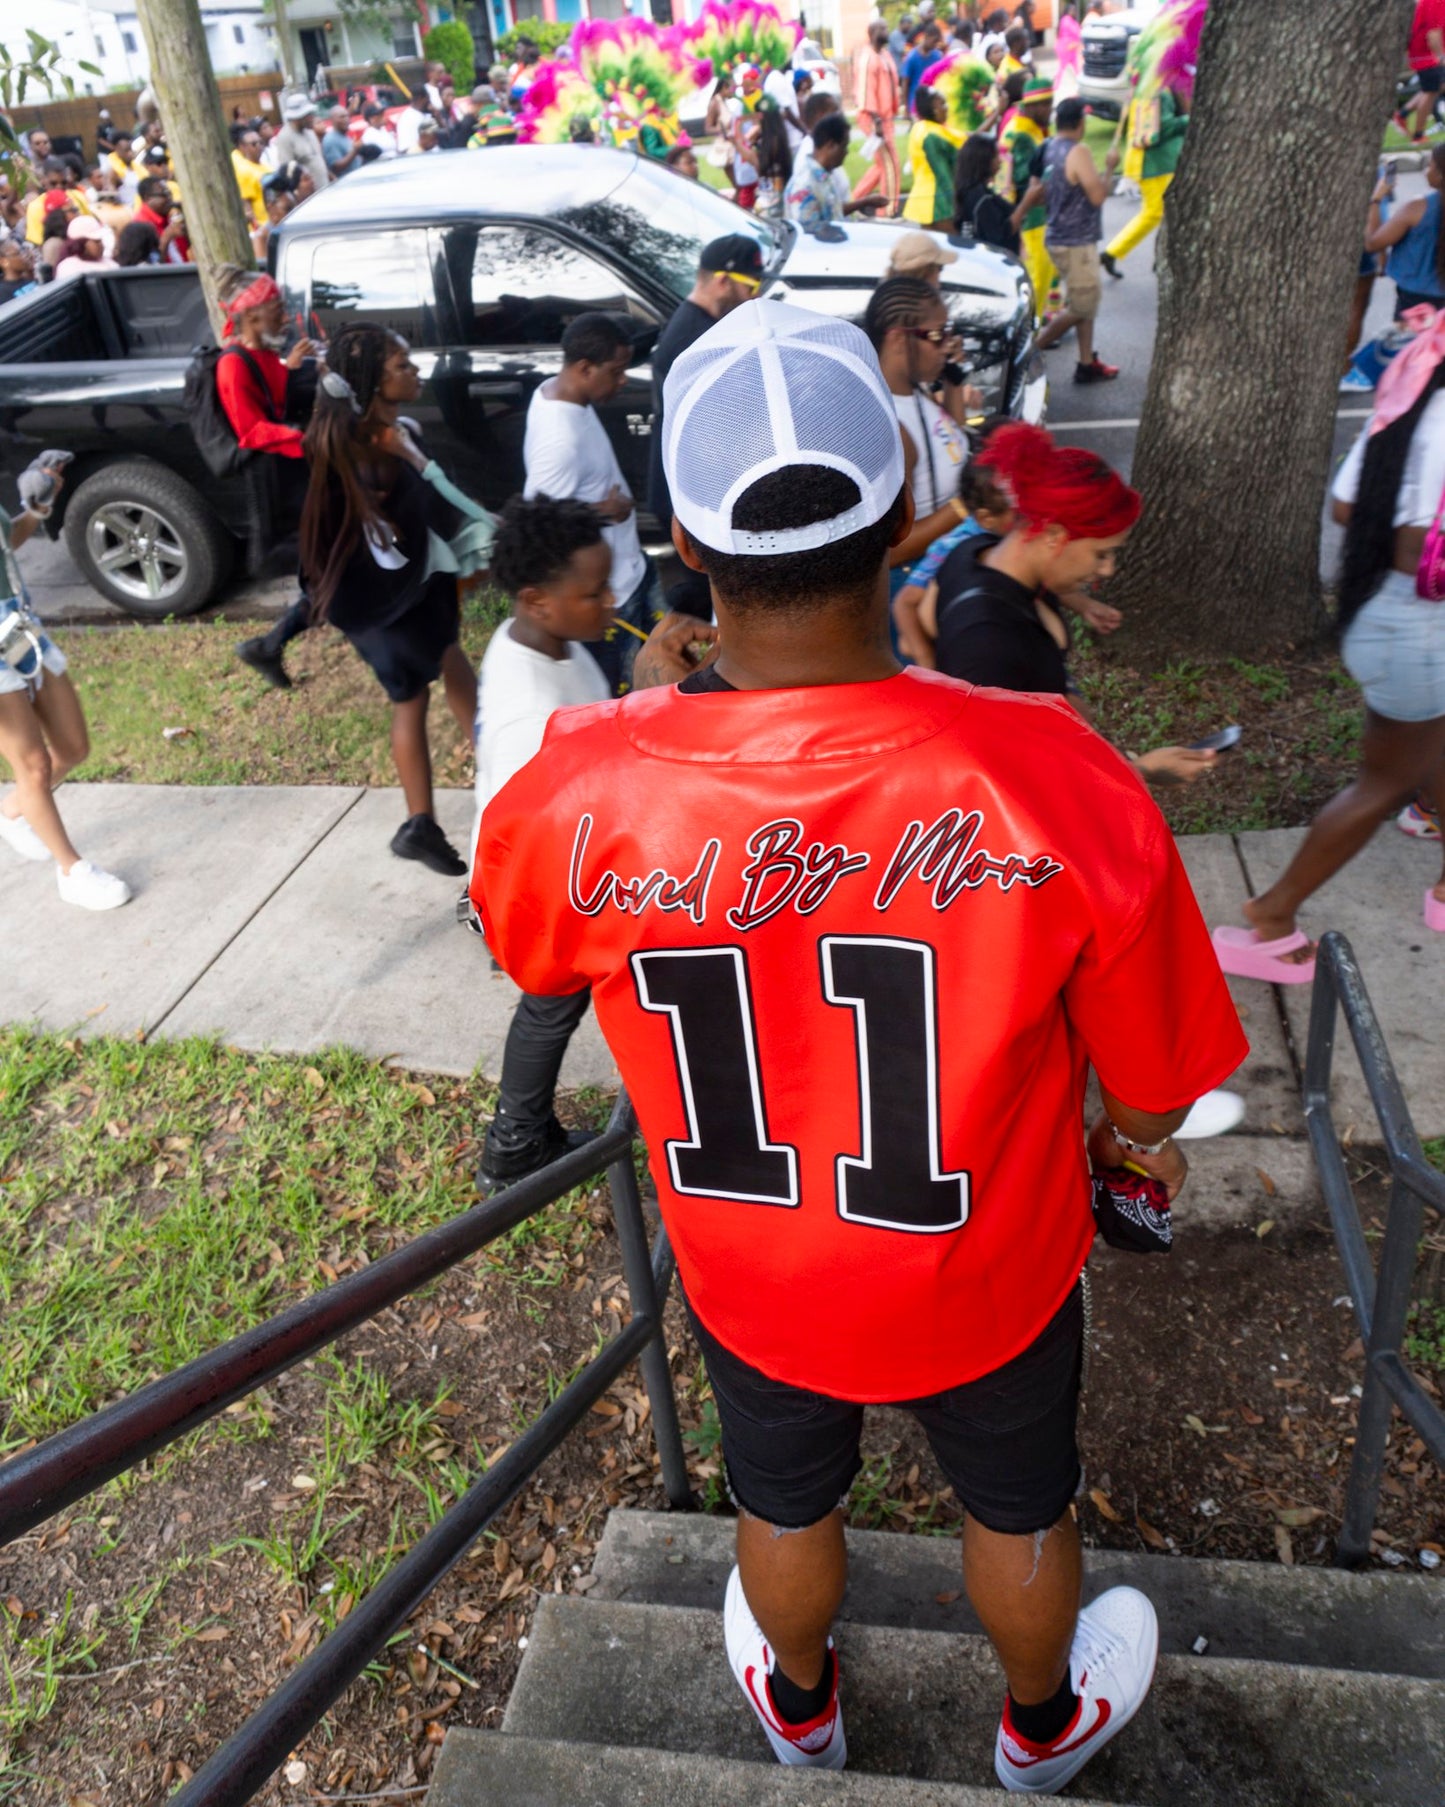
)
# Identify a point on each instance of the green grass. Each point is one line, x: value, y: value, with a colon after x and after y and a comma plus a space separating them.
x: 1425, y: 1336
x: 156, y: 1200
x: 138, y: 681
x: 1301, y: 740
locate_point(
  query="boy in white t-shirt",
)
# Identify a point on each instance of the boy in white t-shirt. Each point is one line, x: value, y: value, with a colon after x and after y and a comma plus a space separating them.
x: 568, y: 453
x: 553, y: 559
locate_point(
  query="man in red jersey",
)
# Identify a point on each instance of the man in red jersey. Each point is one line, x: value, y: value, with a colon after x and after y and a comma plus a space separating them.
x: 854, y: 935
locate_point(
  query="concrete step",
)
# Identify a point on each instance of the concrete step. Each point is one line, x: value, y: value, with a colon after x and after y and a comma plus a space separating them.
x: 480, y: 1769
x: 1325, y: 1618
x: 925, y: 1704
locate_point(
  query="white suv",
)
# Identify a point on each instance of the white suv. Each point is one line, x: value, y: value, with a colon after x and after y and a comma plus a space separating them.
x: 1104, y: 75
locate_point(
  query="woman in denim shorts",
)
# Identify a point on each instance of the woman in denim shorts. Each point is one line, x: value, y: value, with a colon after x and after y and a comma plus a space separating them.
x: 42, y: 732
x: 1389, y: 493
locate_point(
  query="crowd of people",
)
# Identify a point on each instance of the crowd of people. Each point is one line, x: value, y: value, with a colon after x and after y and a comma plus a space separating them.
x: 699, y: 807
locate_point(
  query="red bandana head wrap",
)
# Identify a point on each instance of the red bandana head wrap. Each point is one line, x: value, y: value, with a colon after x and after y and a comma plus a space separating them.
x: 255, y: 294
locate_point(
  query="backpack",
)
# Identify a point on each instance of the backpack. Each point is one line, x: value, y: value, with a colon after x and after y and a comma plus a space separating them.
x: 213, y: 433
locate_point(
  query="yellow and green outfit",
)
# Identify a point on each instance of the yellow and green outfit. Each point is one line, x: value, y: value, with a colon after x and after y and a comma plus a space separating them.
x: 932, y: 155
x: 1022, y: 142
x: 1151, y: 160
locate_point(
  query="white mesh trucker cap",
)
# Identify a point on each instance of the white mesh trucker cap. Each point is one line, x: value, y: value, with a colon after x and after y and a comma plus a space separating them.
x: 767, y: 387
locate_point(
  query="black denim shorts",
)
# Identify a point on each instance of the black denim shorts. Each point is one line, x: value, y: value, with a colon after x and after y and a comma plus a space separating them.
x: 1005, y: 1441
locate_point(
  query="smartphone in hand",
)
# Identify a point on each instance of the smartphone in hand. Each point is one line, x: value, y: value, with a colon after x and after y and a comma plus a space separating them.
x: 1221, y: 742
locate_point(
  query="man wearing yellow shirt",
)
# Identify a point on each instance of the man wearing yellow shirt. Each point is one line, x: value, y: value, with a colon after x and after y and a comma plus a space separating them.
x: 56, y: 177
x: 250, y: 171
x: 1026, y: 133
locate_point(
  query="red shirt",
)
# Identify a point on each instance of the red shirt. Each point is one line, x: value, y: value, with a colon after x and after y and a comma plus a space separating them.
x: 1429, y: 16
x: 256, y: 429
x: 852, y: 948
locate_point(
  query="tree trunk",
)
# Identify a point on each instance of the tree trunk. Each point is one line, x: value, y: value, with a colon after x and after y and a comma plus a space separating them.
x: 196, y: 136
x: 1266, y: 218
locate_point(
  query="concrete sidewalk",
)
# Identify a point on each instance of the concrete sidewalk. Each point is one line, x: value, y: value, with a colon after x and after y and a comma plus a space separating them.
x: 274, y: 917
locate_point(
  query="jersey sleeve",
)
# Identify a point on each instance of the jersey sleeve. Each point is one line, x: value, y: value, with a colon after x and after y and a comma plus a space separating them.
x: 520, y: 885
x: 1147, y: 995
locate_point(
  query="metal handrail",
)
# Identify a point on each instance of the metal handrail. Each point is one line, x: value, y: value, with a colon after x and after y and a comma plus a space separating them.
x: 1381, y: 1298
x: 76, y: 1461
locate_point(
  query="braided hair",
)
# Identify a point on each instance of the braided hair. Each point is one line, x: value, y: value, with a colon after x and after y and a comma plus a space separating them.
x: 537, y: 539
x: 1370, y: 536
x: 345, y: 466
x: 902, y: 301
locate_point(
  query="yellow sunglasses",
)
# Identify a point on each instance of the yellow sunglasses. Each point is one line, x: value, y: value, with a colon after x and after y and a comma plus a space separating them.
x: 751, y: 283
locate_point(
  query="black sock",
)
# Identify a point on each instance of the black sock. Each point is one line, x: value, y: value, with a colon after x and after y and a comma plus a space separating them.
x: 796, y: 1706
x: 1043, y: 1722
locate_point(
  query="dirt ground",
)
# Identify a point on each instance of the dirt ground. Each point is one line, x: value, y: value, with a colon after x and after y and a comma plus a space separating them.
x: 1217, y: 1422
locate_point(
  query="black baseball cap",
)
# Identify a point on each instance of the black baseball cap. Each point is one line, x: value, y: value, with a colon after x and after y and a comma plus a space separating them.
x: 734, y: 255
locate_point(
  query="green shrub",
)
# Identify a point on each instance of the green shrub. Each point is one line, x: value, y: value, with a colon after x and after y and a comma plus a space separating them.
x: 547, y: 34
x: 451, y: 43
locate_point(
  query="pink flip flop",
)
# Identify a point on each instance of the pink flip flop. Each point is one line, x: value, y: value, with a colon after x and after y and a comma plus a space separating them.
x: 1434, y: 912
x: 1241, y: 952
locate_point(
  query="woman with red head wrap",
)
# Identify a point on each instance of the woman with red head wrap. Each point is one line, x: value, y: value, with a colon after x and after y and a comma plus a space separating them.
x: 999, y: 621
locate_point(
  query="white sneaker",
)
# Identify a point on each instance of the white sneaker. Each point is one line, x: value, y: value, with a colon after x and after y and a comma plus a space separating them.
x: 819, y: 1744
x: 91, y: 888
x: 1111, y: 1665
x: 17, y: 834
x: 1355, y: 382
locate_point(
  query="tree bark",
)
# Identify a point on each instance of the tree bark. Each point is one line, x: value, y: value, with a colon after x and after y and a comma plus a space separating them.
x: 1265, y: 225
x: 196, y: 136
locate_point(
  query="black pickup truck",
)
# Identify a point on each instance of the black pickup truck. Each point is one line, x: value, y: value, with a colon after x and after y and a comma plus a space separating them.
x: 481, y: 260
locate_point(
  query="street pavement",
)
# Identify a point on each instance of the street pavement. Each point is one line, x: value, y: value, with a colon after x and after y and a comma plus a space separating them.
x: 276, y: 918
x: 1105, y: 419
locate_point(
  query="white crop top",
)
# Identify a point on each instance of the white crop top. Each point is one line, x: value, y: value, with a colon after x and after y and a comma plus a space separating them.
x: 1423, y: 483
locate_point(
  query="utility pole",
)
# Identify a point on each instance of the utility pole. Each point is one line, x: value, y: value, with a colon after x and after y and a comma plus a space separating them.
x: 283, y: 40
x: 197, y: 139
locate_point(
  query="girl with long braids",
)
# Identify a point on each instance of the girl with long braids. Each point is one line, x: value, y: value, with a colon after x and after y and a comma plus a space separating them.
x: 377, y: 535
x: 907, y: 324
x: 1390, y: 498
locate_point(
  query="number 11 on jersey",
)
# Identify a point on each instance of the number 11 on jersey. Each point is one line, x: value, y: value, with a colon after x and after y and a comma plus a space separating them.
x: 894, y: 1179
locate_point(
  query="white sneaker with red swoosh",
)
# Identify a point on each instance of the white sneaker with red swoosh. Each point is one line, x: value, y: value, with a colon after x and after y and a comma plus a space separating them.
x: 819, y: 1744
x: 1111, y: 1666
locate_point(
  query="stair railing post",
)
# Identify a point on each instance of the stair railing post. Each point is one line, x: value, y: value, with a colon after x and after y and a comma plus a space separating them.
x: 647, y: 1300
x: 1393, y: 1286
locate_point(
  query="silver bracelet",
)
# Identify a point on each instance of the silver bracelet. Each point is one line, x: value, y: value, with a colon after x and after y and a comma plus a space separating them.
x: 1137, y: 1147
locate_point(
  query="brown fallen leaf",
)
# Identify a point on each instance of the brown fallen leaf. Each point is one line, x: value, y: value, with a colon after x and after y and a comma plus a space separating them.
x: 213, y: 1634
x: 1105, y: 1505
x: 1297, y: 1517
x: 1250, y: 1417
x: 502, y: 1555
x: 607, y: 1408
x: 1265, y: 1181
x: 1156, y: 1540
x: 1284, y: 1545
x: 450, y: 1408
x: 948, y: 1597
x: 314, y: 1079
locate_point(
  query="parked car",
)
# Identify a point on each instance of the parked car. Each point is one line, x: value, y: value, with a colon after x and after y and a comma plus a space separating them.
x: 1104, y: 73
x: 480, y: 259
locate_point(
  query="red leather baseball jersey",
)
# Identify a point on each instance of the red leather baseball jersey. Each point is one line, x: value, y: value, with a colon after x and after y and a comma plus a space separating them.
x: 853, y: 947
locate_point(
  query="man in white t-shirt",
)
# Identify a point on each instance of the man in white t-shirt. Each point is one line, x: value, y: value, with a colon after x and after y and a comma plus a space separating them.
x: 409, y: 122
x: 568, y: 453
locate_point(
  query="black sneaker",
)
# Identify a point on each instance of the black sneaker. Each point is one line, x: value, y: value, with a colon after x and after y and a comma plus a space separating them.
x: 1097, y: 372
x: 1111, y: 264
x: 259, y: 657
x: 502, y: 1167
x: 421, y: 838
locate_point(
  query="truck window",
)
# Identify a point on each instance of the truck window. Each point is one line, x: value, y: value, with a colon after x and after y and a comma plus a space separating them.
x: 375, y: 278
x: 521, y: 285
